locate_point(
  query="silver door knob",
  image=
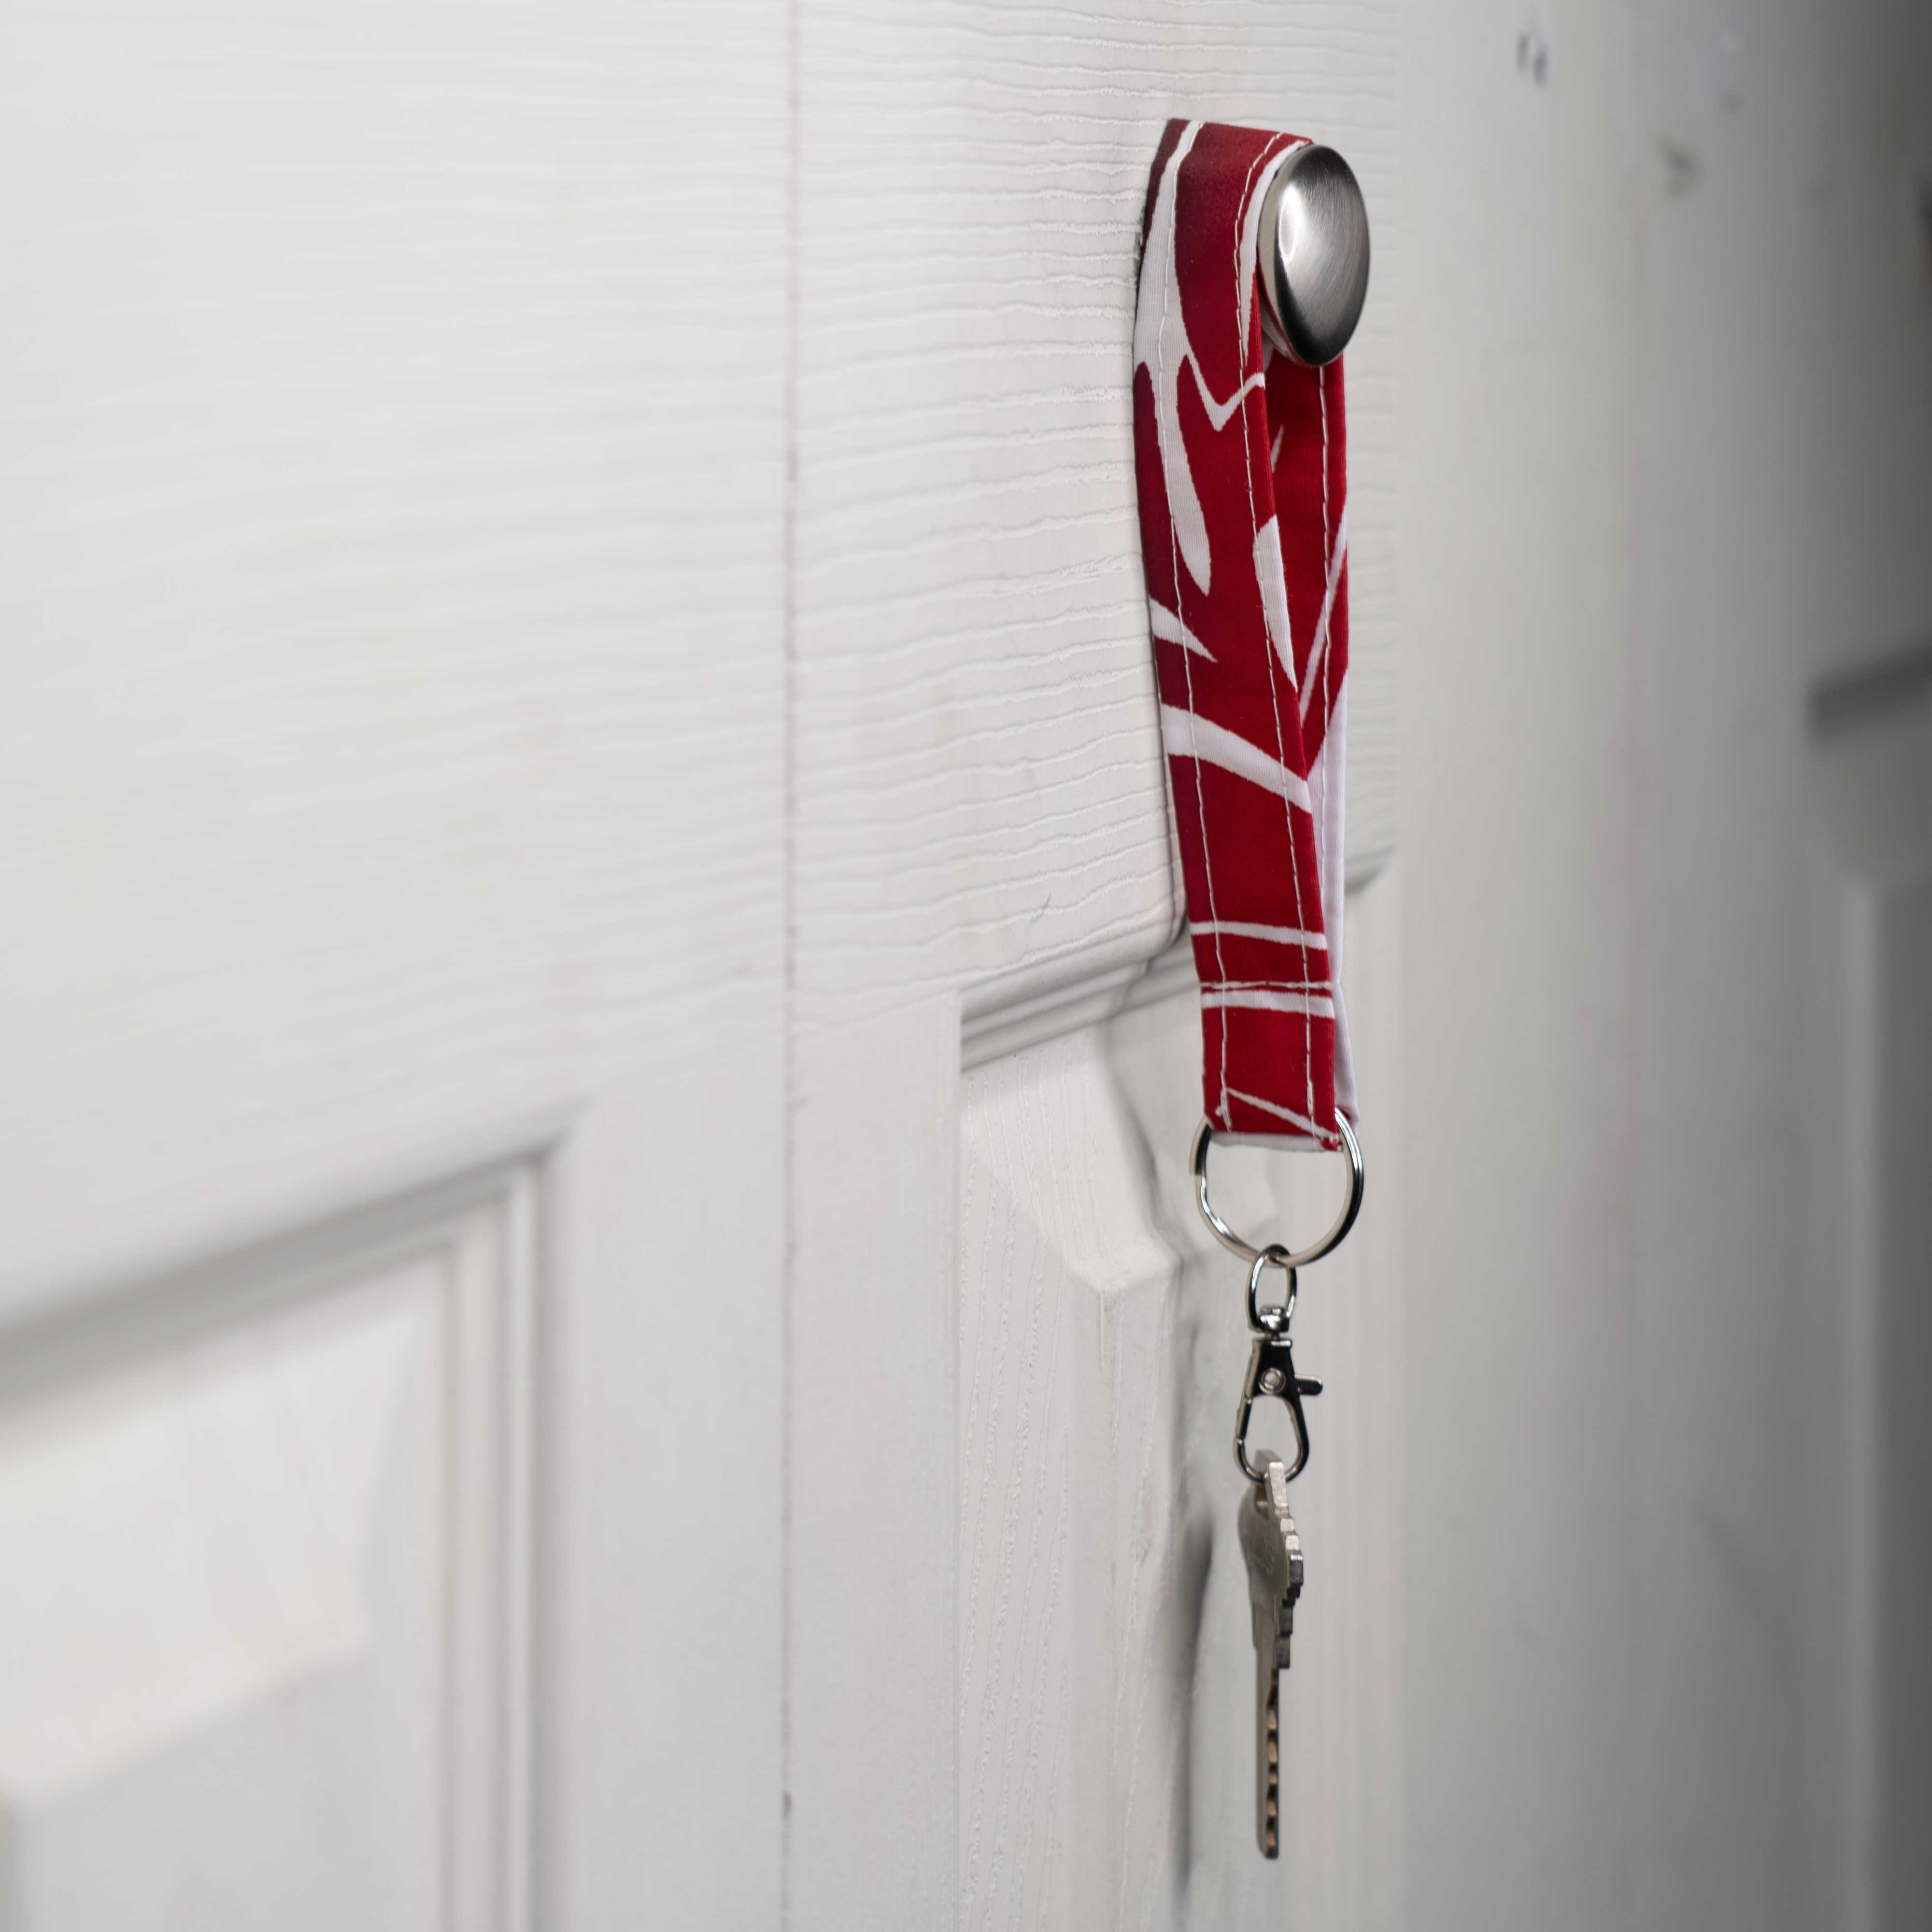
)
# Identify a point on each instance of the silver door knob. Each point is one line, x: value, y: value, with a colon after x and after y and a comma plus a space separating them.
x: 1313, y: 263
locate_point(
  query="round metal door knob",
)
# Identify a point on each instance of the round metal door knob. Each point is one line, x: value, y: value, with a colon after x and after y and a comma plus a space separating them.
x: 1314, y: 256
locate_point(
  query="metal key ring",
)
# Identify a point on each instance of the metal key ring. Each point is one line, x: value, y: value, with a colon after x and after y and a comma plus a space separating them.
x: 1204, y: 1138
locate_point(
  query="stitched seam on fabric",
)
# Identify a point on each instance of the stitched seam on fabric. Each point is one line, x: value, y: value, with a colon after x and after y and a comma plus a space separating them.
x: 1320, y: 643
x: 1269, y: 986
x: 1327, y: 540
x: 1281, y: 753
x: 1332, y: 592
x: 1247, y: 301
x: 1331, y: 588
x: 1182, y: 149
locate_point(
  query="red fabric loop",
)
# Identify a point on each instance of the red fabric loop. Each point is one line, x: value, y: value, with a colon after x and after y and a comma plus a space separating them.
x: 1241, y: 461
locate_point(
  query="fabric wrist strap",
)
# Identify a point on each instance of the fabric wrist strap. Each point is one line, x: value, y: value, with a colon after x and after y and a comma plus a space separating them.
x: 1241, y: 461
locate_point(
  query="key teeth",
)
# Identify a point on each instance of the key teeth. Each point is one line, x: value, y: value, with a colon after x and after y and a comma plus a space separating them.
x: 1272, y: 1545
x: 1268, y: 1768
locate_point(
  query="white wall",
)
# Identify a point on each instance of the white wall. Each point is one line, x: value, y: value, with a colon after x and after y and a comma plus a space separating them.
x: 1665, y: 375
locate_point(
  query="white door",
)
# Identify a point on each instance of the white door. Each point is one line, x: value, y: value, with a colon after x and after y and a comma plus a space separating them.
x: 392, y: 991
x: 599, y: 1323
x: 498, y: 1234
x: 1022, y: 1683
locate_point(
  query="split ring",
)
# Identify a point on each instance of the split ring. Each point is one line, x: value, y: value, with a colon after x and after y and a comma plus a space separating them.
x: 1204, y: 1138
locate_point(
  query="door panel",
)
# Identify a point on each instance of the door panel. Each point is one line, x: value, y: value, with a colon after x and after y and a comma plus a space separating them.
x: 598, y: 1324
x: 1106, y: 1673
x: 980, y: 827
x: 391, y: 470
x: 265, y: 1639
x: 1875, y: 773
x: 1903, y: 1887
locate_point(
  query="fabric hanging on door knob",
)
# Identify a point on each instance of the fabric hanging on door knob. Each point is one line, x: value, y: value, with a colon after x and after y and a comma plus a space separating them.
x: 1240, y: 458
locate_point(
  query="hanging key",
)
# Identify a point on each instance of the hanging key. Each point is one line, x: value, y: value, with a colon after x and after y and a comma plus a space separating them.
x: 1273, y: 1553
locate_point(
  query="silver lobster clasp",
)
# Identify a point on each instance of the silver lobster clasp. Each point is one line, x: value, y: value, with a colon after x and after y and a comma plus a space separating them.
x: 1271, y: 1373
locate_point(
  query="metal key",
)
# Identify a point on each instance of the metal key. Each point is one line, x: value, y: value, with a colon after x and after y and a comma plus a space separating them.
x: 1273, y: 1553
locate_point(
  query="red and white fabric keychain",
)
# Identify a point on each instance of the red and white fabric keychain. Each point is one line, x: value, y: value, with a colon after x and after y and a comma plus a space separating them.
x: 1241, y: 458
x: 1241, y: 453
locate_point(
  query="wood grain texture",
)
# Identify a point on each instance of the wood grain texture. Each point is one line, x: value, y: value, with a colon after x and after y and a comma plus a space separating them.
x: 981, y: 780
x: 392, y: 487
x: 391, y: 478
x: 1082, y: 1542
